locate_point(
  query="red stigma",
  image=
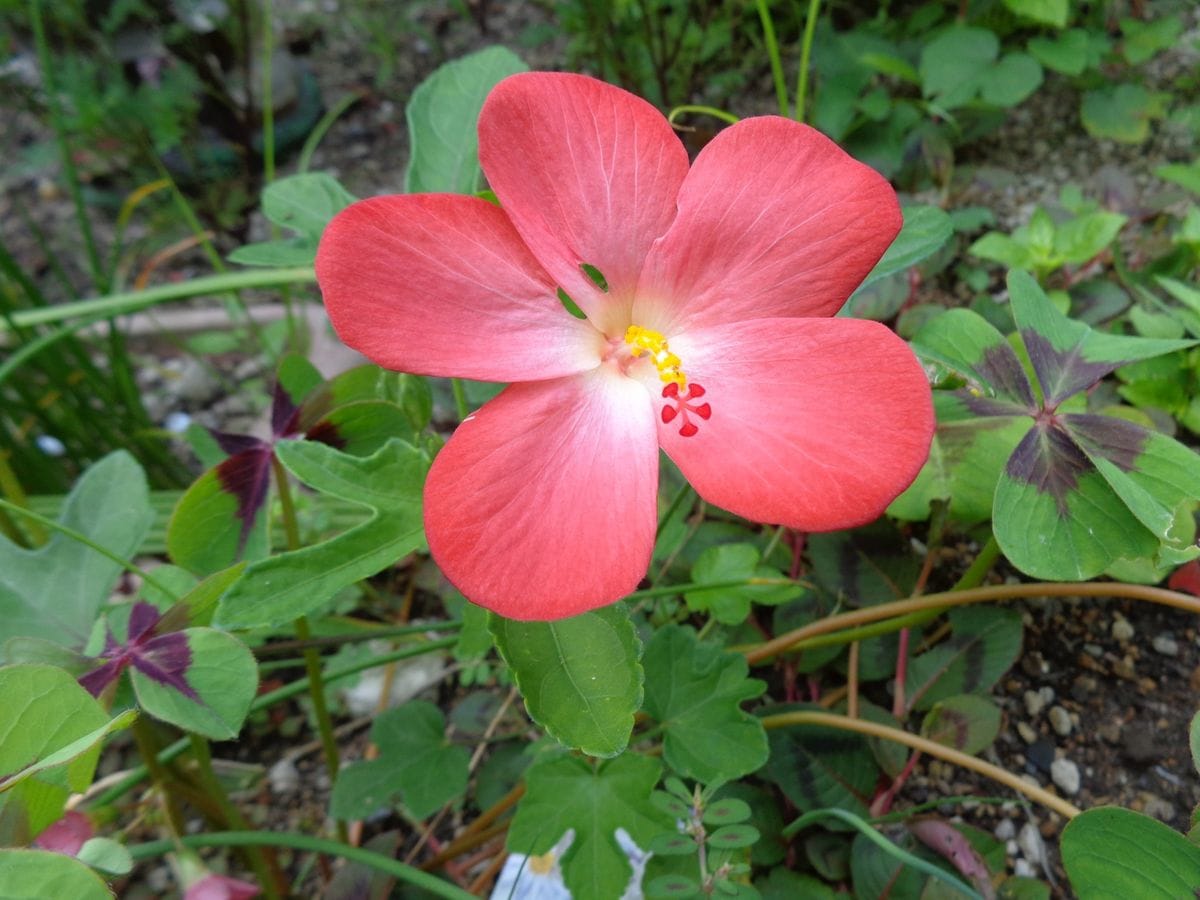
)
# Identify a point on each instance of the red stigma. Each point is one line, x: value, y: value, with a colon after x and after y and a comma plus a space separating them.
x: 685, y: 408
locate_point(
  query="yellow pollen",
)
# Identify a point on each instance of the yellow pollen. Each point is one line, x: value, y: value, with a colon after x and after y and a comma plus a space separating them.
x: 643, y: 340
x: 542, y: 865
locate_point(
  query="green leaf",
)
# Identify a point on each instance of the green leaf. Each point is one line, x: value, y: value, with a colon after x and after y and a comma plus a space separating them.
x: 222, y: 672
x: 1194, y: 740
x: 984, y: 644
x: 564, y: 792
x: 736, y: 562
x: 41, y: 873
x: 926, y: 230
x: 726, y: 811
x: 1122, y: 113
x: 1072, y: 52
x: 204, y: 531
x: 695, y: 691
x: 1002, y: 249
x: 416, y: 765
x: 1144, y: 40
x: 580, y: 677
x: 55, y: 591
x: 442, y: 113
x: 1011, y: 80
x: 51, y: 729
x: 302, y: 203
x: 1187, y: 176
x: 733, y: 837
x: 819, y: 767
x: 966, y: 722
x: 1112, y: 852
x: 952, y: 64
x: 972, y: 348
x: 275, y: 591
x: 1078, y: 240
x: 106, y: 855
x: 1044, y: 12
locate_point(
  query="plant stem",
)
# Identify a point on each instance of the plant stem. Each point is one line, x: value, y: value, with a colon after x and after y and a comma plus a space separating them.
x: 267, y: 101
x: 930, y: 748
x: 903, y: 612
x: 147, y: 746
x: 810, y: 28
x: 131, y: 301
x: 460, y: 398
x: 773, y: 53
x: 396, y: 869
x: 312, y: 658
x: 701, y: 110
x: 270, y: 878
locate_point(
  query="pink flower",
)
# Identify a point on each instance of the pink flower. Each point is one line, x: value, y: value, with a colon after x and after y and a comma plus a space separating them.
x: 220, y: 887
x: 712, y: 337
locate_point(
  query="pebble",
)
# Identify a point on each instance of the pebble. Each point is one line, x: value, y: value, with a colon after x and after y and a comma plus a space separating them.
x: 1157, y: 808
x: 1006, y: 830
x: 1060, y: 720
x: 1022, y: 869
x: 1139, y: 744
x: 1122, y: 630
x: 1065, y: 774
x: 1165, y: 644
x: 1041, y: 754
x: 283, y: 777
x: 1036, y: 701
x: 1028, y: 735
x: 1029, y: 839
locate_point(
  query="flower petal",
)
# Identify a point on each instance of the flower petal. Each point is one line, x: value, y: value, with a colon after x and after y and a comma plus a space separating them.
x: 542, y: 504
x: 817, y: 424
x: 588, y: 173
x: 774, y: 220
x: 441, y: 284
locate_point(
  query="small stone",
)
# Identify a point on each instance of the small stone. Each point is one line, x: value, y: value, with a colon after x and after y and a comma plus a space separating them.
x: 1006, y: 830
x: 1094, y: 650
x: 283, y: 777
x: 1022, y: 869
x: 1033, y: 703
x: 1140, y: 744
x: 1029, y: 839
x: 1065, y: 774
x: 1028, y: 735
x: 1041, y: 754
x: 1011, y: 848
x: 1165, y: 644
x: 1157, y: 808
x: 1060, y: 720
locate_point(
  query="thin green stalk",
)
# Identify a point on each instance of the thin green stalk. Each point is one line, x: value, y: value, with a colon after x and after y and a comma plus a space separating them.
x: 314, y: 137
x: 279, y: 648
x: 307, y: 843
x: 88, y: 542
x: 131, y: 301
x: 692, y: 587
x: 773, y: 52
x: 268, y: 101
x: 144, y: 737
x: 810, y: 28
x: 264, y: 701
x: 10, y: 486
x: 64, y: 151
x: 460, y: 398
x: 312, y: 657
x: 703, y: 111
x: 980, y: 566
x: 270, y: 878
x: 682, y: 494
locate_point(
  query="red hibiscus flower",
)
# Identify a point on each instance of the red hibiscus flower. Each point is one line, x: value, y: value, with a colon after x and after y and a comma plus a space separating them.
x: 710, y: 334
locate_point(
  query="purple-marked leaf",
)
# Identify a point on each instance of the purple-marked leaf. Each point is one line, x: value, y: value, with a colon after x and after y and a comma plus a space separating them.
x: 161, y: 657
x: 285, y: 413
x: 947, y: 841
x: 984, y: 643
x: 232, y: 444
x: 967, y: 456
x: 362, y: 427
x: 966, y: 722
x: 970, y: 346
x: 204, y: 534
x: 296, y: 381
x: 224, y: 679
x: 818, y: 767
x: 1067, y: 355
x: 1049, y: 461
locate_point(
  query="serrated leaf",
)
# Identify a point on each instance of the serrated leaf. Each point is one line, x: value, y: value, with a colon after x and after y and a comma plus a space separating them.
x: 1044, y: 12
x: 1071, y: 52
x: 1122, y: 112
x: 726, y: 563
x: 41, y: 873
x: 1112, y: 852
x: 966, y: 722
x: 952, y: 64
x: 50, y: 734
x: 275, y: 591
x: 55, y: 591
x: 984, y: 644
x: 580, y: 677
x: 303, y: 203
x: 416, y: 766
x: 442, y: 113
x: 224, y: 676
x: 595, y: 800
x: 695, y: 691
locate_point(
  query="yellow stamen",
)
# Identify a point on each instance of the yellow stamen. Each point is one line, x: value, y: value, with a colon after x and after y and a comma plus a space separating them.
x: 643, y: 340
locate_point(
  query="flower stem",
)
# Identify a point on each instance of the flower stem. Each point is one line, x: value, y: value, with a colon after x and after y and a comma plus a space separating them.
x: 312, y: 658
x: 810, y: 27
x: 773, y: 53
x: 460, y: 398
x: 378, y: 861
x: 270, y: 878
x: 930, y: 748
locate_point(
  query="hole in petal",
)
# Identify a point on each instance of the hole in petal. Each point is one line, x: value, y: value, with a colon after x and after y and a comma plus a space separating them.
x: 595, y: 275
x: 570, y: 305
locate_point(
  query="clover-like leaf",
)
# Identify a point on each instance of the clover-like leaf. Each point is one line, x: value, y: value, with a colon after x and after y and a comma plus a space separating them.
x: 966, y: 722
x: 984, y: 643
x: 816, y: 767
x: 304, y: 204
x: 580, y: 677
x: 695, y: 691
x: 416, y: 766
x: 43, y: 873
x: 389, y: 483
x: 55, y: 591
x: 52, y: 731
x: 594, y: 799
